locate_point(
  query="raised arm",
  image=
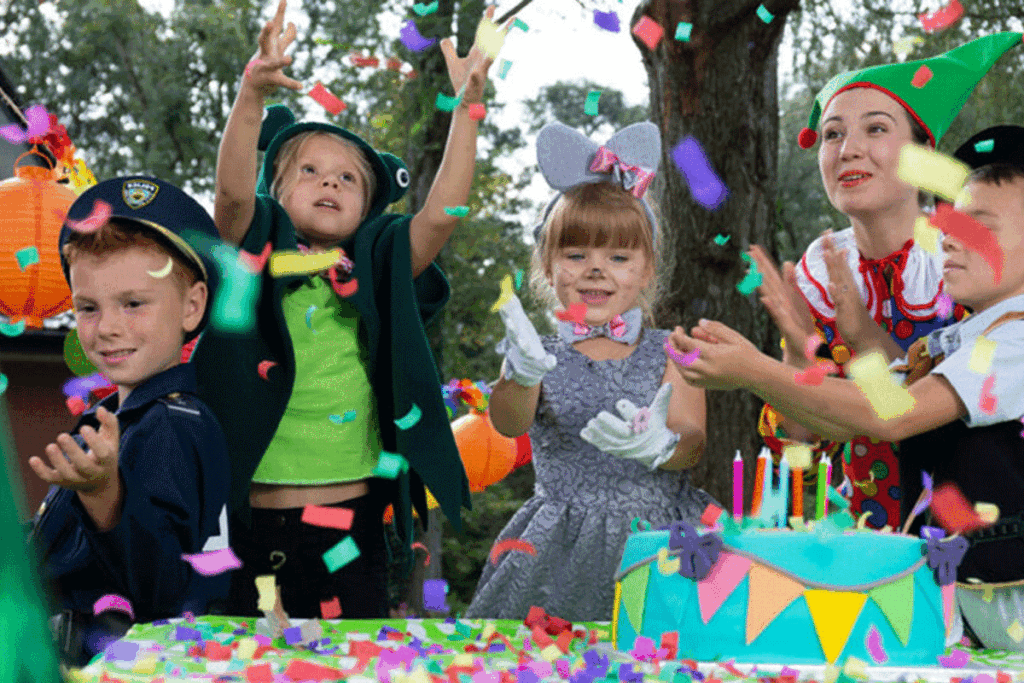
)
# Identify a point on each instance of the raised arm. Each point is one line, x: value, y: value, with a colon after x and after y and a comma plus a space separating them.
x: 236, y: 159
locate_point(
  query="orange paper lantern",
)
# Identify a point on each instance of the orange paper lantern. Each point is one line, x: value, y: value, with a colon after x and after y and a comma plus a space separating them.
x: 32, y: 209
x: 487, y: 455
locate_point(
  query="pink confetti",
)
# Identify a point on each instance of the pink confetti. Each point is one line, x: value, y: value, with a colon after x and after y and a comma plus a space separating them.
x: 95, y: 220
x: 327, y: 99
x: 576, y: 313
x: 942, y: 18
x: 648, y: 31
x: 330, y: 517
x: 250, y: 65
x: 987, y: 402
x: 953, y: 512
x: 264, y: 367
x: 113, y: 602
x: 38, y: 124
x: 945, y: 306
x: 477, y: 111
x: 511, y: 544
x: 955, y: 660
x: 422, y: 547
x: 684, y: 359
x: 642, y: 420
x: 255, y: 262
x: 214, y: 562
x: 922, y: 76
x: 873, y: 644
x: 330, y: 609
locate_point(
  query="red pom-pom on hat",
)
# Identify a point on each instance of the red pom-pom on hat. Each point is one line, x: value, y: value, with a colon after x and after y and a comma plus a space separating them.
x: 806, y: 138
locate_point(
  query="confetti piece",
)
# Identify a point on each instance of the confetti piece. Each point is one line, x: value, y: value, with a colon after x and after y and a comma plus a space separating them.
x: 988, y: 512
x: 96, y: 219
x: 987, y: 402
x: 412, y: 39
x: 816, y: 374
x: 330, y: 517
x: 12, y: 329
x: 3, y: 383
x: 683, y: 30
x: 113, y: 602
x: 410, y: 419
x: 504, y: 296
x: 266, y: 587
x: 922, y: 76
x: 390, y: 465
x: 235, y: 299
x: 981, y: 355
x: 705, y: 185
x: 520, y: 24
x: 255, y: 262
x: 423, y: 10
x: 38, y: 124
x: 941, y: 18
x: 214, y: 562
x: 362, y: 61
x: 457, y: 211
x: 925, y: 499
x: 648, y: 31
x: 953, y: 512
x: 873, y: 644
x: 764, y: 15
x: 752, y: 280
x: 326, y: 99
x: 927, y: 237
x: 871, y: 375
x: 309, y: 316
x: 246, y: 648
x: 446, y: 103
x: 163, y: 272
x: 684, y: 359
x: 435, y: 593
x: 253, y: 63
x: 590, y: 106
x: 982, y: 146
x: 265, y: 366
x: 609, y: 21
x: 944, y: 306
x: 345, y: 289
x: 970, y: 233
x: 576, y: 313
x: 957, y: 659
x: 1015, y: 631
x: 510, y: 544
x: 933, y: 171
x: 342, y: 419
x: 29, y: 256
x: 503, y: 66
x: 904, y: 46
x: 331, y: 609
x: 798, y: 455
x: 76, y: 406
x: 477, y: 111
x: 297, y: 263
x: 489, y: 38
x: 424, y: 549
x: 341, y: 554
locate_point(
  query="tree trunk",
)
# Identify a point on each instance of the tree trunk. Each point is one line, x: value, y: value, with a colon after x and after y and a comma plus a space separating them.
x: 720, y: 87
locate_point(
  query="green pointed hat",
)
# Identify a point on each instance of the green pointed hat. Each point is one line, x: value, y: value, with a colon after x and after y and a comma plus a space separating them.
x: 933, y: 100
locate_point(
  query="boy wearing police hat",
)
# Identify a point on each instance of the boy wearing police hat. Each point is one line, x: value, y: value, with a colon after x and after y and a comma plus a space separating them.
x: 143, y: 477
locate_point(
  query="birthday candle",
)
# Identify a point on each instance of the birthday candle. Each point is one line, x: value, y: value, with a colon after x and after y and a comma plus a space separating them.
x: 783, y: 511
x: 755, y: 503
x: 823, y: 479
x: 798, y: 492
x: 737, y: 487
x: 828, y: 480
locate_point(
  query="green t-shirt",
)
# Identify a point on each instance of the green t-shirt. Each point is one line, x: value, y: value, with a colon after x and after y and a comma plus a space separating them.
x: 328, y: 433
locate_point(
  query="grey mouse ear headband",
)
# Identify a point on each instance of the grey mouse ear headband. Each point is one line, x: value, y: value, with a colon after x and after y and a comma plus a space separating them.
x: 568, y: 159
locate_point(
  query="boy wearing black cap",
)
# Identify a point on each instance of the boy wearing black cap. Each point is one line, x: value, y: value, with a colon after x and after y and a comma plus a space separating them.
x: 966, y: 381
x: 142, y: 478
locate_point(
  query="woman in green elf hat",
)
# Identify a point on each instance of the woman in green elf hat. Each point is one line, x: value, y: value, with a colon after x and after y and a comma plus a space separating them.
x: 871, y: 286
x: 312, y: 402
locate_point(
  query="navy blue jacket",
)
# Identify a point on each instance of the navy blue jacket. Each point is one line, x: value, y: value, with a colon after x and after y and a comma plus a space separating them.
x: 175, y: 472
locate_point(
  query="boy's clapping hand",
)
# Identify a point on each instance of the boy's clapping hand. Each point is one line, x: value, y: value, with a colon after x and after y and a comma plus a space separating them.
x: 726, y: 361
x: 265, y: 73
x: 92, y: 472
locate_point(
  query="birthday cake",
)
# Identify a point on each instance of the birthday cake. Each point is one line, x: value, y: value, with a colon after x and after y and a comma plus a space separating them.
x: 778, y: 595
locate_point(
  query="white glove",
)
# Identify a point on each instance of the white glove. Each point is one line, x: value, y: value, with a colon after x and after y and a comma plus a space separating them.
x: 651, y: 444
x: 526, y: 361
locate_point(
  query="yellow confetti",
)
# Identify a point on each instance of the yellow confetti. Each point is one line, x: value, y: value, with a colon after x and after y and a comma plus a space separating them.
x: 462, y: 659
x: 246, y: 648
x: 831, y: 673
x: 903, y: 46
x: 146, y: 666
x: 489, y: 630
x: 855, y: 668
x: 989, y: 512
x: 163, y: 272
x: 268, y: 592
x: 871, y: 375
x: 506, y: 294
x: 550, y: 653
x: 987, y: 594
x: 981, y: 355
x: 666, y: 566
x: 929, y: 170
x: 295, y: 263
x: 862, y: 521
x: 963, y: 197
x: 489, y: 37
x: 419, y: 675
x: 926, y: 236
x: 798, y: 455
x: 797, y: 523
x: 1015, y: 631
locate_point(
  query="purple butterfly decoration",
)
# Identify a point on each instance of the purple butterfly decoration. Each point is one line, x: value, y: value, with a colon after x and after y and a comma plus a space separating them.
x: 698, y: 554
x: 944, y: 557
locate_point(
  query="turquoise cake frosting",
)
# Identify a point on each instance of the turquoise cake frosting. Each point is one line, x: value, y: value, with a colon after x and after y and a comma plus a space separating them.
x: 777, y: 595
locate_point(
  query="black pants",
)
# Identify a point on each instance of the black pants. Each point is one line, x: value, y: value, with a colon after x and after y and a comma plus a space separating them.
x: 278, y: 538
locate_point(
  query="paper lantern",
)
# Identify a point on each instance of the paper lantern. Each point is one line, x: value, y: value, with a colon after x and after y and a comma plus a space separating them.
x: 487, y: 455
x: 32, y: 209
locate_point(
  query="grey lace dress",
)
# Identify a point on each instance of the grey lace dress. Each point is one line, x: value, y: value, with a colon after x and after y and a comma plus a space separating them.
x: 584, y: 500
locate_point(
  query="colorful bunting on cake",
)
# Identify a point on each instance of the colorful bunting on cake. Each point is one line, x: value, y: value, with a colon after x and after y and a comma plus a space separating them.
x: 896, y: 601
x: 717, y: 586
x: 770, y: 593
x: 834, y: 613
x: 948, y: 593
x: 634, y: 595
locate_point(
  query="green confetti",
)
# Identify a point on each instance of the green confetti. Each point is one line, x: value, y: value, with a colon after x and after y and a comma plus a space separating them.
x: 342, y: 419
x: 590, y: 106
x: 423, y: 10
x: 519, y: 278
x: 457, y: 211
x: 12, y: 329
x: 235, y: 300
x: 29, y: 256
x: 503, y: 66
x: 752, y: 280
x: 445, y: 103
x: 519, y: 23
x: 390, y: 465
x: 341, y: 554
x: 764, y: 15
x: 984, y: 145
x: 720, y: 240
x: 683, y: 29
x: 75, y: 357
x: 309, y: 317
x: 410, y: 418
x: 3, y: 383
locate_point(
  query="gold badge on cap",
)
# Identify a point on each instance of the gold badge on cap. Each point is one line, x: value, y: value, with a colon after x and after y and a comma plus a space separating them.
x: 139, y: 193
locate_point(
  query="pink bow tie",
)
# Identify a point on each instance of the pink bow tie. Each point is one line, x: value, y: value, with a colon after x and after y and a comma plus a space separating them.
x: 616, y: 325
x: 634, y: 178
